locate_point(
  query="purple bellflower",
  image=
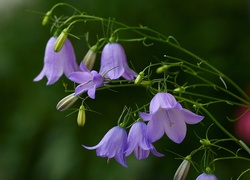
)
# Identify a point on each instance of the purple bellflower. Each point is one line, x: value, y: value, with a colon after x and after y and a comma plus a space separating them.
x: 114, y: 63
x: 88, y: 81
x: 113, y: 144
x: 205, y: 176
x: 167, y: 115
x: 139, y: 143
x: 57, y: 63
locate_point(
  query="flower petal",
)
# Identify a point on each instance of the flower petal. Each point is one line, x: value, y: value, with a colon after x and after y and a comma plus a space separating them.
x: 162, y: 100
x: 155, y: 128
x: 190, y: 117
x: 175, y: 127
x: 69, y: 58
x: 80, y: 77
x: 145, y: 116
x: 81, y: 88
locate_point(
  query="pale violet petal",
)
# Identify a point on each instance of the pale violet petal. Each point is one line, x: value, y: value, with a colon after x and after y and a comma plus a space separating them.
x: 155, y: 129
x: 175, y: 127
x: 145, y: 116
x: 80, y: 77
x: 190, y: 117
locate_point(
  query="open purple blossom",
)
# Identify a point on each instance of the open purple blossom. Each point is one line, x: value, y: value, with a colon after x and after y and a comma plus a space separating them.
x: 112, y: 145
x: 88, y: 81
x: 139, y: 142
x: 205, y: 176
x: 57, y: 63
x: 114, y: 63
x: 167, y: 116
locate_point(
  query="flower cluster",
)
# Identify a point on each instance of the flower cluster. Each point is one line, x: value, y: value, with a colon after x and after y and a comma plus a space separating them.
x: 172, y: 104
x: 113, y: 66
x: 166, y: 115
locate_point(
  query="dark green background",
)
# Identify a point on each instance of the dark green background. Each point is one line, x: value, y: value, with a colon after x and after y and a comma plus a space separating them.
x: 38, y: 142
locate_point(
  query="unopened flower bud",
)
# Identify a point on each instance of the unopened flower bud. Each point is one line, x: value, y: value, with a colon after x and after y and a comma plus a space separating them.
x: 205, y: 142
x: 61, y: 40
x: 162, y: 69
x: 66, y: 102
x: 89, y: 58
x: 183, y: 169
x: 145, y: 83
x: 46, y: 18
x: 139, y: 78
x: 81, y: 117
x: 179, y: 90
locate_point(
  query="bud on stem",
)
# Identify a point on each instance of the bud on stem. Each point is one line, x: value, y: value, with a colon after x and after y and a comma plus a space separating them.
x: 81, y: 117
x: 89, y: 58
x: 139, y: 78
x: 183, y: 169
x: 61, y: 40
x: 46, y: 18
x: 162, y: 69
x: 66, y: 102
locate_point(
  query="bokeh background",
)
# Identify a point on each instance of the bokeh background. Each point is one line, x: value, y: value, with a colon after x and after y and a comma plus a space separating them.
x: 38, y: 142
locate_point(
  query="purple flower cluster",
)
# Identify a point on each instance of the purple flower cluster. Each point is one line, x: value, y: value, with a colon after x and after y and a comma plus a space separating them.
x: 166, y: 116
x: 117, y: 144
x: 113, y: 66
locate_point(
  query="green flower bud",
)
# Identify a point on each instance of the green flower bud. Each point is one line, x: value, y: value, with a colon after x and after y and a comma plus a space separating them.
x: 89, y: 58
x: 66, y: 102
x: 205, y: 142
x: 145, y: 83
x: 46, y: 18
x: 139, y: 78
x: 183, y: 169
x: 81, y: 117
x: 162, y: 69
x: 61, y: 40
x: 179, y: 90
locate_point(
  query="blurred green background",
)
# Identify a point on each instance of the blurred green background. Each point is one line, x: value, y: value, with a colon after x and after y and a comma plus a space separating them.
x: 38, y: 142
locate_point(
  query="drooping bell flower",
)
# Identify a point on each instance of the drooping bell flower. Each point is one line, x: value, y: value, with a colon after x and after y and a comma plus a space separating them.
x: 88, y: 81
x: 205, y: 176
x: 112, y: 145
x: 139, y: 142
x: 58, y: 63
x: 167, y: 116
x: 114, y: 63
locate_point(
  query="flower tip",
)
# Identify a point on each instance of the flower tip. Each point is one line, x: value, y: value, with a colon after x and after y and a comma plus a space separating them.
x: 89, y: 58
x: 61, y: 40
x: 183, y: 169
x: 81, y: 117
x: 46, y: 18
x: 66, y: 102
x: 139, y: 78
x: 162, y: 69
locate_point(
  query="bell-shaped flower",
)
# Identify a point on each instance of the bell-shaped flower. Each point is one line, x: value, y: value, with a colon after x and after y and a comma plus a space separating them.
x: 112, y: 145
x: 88, y: 81
x: 57, y: 63
x: 167, y: 116
x: 114, y: 63
x: 139, y: 142
x: 205, y: 176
